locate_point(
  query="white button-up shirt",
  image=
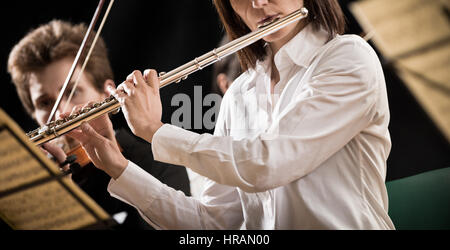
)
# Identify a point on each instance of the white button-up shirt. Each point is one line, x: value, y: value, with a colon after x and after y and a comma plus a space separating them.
x: 312, y: 155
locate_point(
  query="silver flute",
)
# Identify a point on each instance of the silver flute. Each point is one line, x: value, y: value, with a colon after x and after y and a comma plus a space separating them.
x: 59, y: 127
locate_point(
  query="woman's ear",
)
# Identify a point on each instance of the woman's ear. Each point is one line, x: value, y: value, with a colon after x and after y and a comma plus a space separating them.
x: 106, y: 84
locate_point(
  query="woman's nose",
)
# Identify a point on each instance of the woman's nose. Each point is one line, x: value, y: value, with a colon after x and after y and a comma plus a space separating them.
x: 259, y: 3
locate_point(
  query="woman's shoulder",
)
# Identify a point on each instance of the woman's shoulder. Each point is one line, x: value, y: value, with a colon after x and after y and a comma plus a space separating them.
x: 349, y: 45
x: 350, y: 53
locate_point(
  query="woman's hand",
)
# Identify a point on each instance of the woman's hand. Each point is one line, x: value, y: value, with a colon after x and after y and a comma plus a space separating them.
x: 103, y: 152
x: 98, y: 140
x: 141, y: 103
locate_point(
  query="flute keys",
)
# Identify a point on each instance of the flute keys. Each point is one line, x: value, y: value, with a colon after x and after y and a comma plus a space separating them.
x: 181, y: 79
x: 59, y: 122
x: 33, y: 133
x: 71, y: 117
x: 85, y: 110
x: 116, y: 111
x: 51, y: 124
x: 109, y: 99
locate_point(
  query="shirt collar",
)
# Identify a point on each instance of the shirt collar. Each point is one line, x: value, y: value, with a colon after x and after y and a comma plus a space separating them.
x: 300, y: 50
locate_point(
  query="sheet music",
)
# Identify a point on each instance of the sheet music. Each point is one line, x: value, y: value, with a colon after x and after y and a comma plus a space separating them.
x: 17, y: 166
x: 428, y: 78
x: 414, y: 35
x: 402, y: 26
x: 47, y: 206
x: 432, y: 64
x: 33, y: 193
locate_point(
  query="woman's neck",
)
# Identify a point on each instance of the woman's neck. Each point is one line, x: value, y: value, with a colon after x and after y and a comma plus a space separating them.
x: 274, y: 77
x: 275, y: 47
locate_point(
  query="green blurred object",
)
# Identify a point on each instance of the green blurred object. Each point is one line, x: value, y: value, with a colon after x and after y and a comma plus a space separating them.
x: 421, y: 201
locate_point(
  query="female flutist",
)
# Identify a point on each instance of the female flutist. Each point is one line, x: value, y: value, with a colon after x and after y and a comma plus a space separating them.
x: 301, y: 140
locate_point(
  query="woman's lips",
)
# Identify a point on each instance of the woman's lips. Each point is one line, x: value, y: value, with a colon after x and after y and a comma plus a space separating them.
x: 267, y: 20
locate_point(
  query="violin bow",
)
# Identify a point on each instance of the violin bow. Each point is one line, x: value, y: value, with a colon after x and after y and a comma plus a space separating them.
x: 78, y: 56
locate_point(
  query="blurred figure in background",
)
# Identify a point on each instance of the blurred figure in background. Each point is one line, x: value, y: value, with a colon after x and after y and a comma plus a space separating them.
x: 225, y: 71
x: 38, y: 65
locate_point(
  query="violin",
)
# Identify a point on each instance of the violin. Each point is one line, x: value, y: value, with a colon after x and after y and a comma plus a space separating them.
x: 76, y: 156
x: 82, y: 158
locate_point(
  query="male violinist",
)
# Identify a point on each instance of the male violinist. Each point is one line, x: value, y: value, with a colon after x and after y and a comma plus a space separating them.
x: 38, y: 65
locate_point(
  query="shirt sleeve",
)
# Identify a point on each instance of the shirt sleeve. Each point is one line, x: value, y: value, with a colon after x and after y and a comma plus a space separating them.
x: 166, y: 208
x: 337, y: 104
x: 218, y: 207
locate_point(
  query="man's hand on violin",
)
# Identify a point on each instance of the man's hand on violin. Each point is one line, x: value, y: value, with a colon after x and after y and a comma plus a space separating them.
x: 56, y: 153
x: 101, y: 125
x: 141, y: 103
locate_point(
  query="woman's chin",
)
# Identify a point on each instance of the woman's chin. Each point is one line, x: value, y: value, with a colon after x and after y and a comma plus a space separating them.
x: 277, y: 36
x: 274, y: 37
x: 284, y: 34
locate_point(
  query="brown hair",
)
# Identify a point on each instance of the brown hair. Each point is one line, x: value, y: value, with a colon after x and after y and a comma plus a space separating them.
x: 51, y: 42
x: 326, y: 14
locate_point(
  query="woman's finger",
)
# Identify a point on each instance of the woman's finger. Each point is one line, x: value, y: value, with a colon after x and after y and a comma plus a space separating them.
x: 88, y: 105
x: 111, y: 90
x: 130, y: 77
x: 147, y: 75
x: 152, y: 79
x: 138, y: 78
x: 129, y: 88
x: 62, y: 115
x: 120, y: 95
x: 76, y: 109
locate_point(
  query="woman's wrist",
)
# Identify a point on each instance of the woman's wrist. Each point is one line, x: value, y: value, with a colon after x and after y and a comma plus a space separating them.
x: 116, y: 171
x: 148, y: 131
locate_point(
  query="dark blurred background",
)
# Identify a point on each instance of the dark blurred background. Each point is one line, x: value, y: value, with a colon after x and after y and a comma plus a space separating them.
x: 165, y: 34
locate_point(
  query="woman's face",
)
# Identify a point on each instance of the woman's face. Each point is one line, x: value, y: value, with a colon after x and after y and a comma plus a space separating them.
x: 257, y: 12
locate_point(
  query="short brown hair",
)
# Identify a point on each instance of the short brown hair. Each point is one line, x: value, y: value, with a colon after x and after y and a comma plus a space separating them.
x: 326, y: 14
x: 51, y: 42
